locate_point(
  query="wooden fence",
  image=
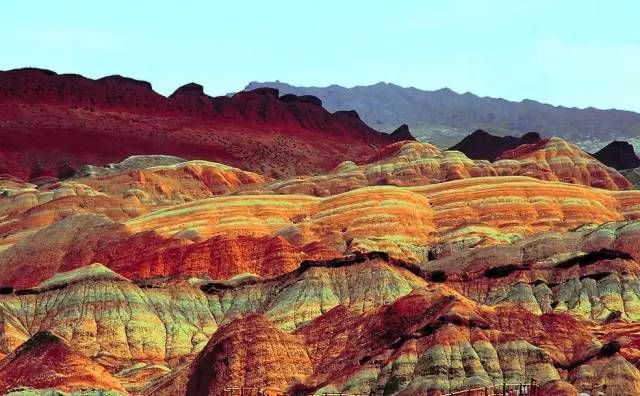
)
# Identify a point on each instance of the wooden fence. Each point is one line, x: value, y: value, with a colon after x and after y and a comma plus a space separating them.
x: 248, y: 391
x: 501, y: 390
x: 495, y: 390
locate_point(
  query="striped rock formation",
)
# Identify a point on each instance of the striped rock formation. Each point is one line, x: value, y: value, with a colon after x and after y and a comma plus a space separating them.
x: 393, y: 327
x: 196, y: 237
x: 48, y: 361
x: 413, y: 163
x: 416, y: 271
x: 172, y: 184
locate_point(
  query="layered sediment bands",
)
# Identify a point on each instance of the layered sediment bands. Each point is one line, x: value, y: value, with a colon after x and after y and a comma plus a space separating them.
x: 172, y: 184
x: 506, y: 208
x: 27, y: 196
x: 413, y: 163
x: 22, y: 226
x: 591, y: 273
x: 562, y: 161
x: 148, y: 254
x: 194, y: 238
x: 251, y: 352
x: 430, y: 339
x: 611, y: 375
x: 495, y: 203
x: 434, y: 339
x: 399, y: 164
x: 51, y: 249
x: 27, y: 209
x: 118, y: 322
x: 48, y: 361
x: 392, y: 332
x: 372, y: 219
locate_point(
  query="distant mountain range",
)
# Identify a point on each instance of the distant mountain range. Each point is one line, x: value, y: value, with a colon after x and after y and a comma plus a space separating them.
x: 444, y: 117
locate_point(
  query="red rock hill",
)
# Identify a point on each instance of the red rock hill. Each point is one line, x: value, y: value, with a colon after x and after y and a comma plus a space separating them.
x: 52, y: 123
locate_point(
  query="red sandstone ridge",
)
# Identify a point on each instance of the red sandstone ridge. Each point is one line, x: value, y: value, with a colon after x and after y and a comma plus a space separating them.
x: 248, y: 352
x: 53, y: 123
x: 47, y: 361
x: 416, y: 271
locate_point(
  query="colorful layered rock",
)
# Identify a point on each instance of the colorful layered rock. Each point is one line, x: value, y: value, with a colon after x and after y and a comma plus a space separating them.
x: 172, y: 184
x: 404, y: 270
x: 558, y: 160
x: 106, y: 120
x: 196, y: 237
x: 413, y: 163
x: 388, y: 321
x: 48, y: 361
x: 249, y: 352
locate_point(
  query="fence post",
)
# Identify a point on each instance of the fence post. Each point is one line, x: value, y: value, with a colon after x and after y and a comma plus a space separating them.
x: 533, y: 389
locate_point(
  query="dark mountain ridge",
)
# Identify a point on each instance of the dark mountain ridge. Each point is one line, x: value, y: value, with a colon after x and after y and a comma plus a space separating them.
x: 483, y: 145
x: 619, y: 155
x: 50, y: 124
x: 443, y: 117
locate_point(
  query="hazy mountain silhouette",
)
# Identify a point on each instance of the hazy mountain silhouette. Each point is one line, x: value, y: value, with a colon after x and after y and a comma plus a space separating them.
x: 444, y: 117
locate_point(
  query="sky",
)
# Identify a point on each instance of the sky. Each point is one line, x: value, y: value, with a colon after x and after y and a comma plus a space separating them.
x: 564, y: 52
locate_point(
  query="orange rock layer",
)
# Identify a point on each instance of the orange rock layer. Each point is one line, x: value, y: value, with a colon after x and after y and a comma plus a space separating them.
x: 418, y: 271
x: 413, y: 163
x: 252, y: 230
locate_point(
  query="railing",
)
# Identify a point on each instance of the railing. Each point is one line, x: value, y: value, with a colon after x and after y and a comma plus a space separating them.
x: 494, y: 390
x: 249, y: 391
x: 501, y: 390
x: 340, y: 394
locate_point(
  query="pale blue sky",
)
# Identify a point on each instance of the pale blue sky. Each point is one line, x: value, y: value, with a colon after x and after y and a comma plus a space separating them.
x: 574, y: 53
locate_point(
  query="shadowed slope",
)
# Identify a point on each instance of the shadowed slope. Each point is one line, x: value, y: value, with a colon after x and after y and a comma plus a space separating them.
x: 483, y: 145
x: 619, y: 155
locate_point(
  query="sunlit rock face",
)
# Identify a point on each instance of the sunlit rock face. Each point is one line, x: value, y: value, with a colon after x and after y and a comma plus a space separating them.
x: 172, y: 184
x: 109, y: 119
x: 269, y: 234
x: 393, y: 330
x: 48, y: 361
x: 560, y: 160
x: 248, y: 352
x: 415, y: 271
x: 414, y: 163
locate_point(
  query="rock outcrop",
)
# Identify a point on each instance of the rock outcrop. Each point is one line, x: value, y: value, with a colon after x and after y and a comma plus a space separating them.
x: 47, y: 361
x: 633, y: 175
x: 565, y: 162
x: 105, y: 120
x: 269, y: 234
x: 481, y: 145
x: 248, y: 352
x: 619, y: 155
x: 130, y: 163
x: 413, y: 163
x: 392, y: 327
x: 404, y: 270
